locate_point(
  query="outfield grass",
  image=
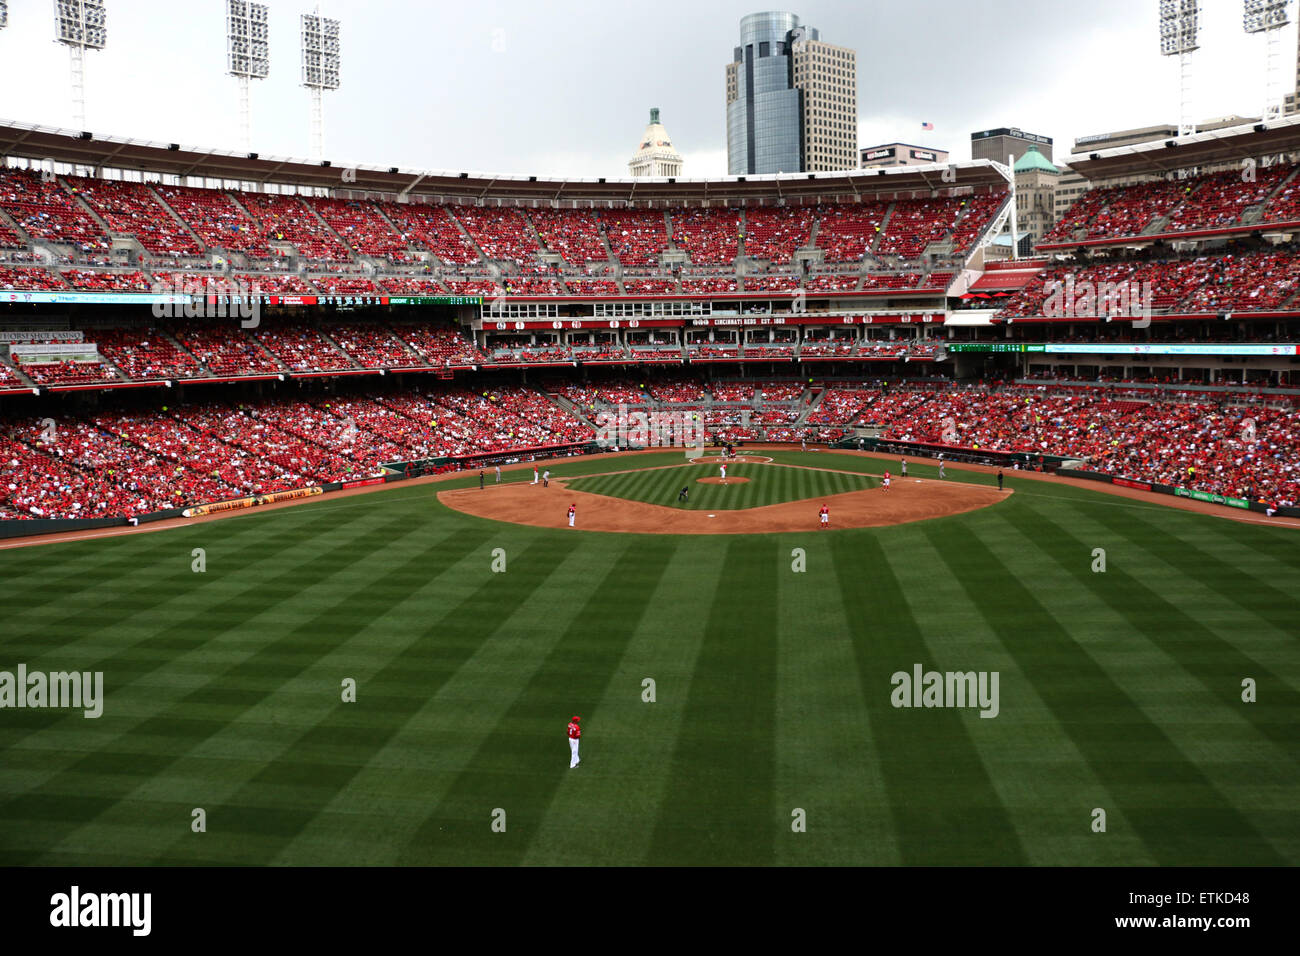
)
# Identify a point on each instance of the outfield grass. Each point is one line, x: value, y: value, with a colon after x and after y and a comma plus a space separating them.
x: 763, y: 485
x: 1119, y: 690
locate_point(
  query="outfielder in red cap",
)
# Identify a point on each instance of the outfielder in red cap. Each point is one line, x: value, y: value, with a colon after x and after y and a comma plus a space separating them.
x: 575, y: 734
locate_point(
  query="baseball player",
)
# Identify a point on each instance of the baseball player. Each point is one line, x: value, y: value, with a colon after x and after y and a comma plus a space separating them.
x: 498, y: 474
x: 999, y: 479
x: 940, y: 467
x: 480, y: 479
x: 573, y: 513
x: 886, y: 481
x: 723, y: 468
x: 534, y: 474
x: 803, y: 444
x: 825, y: 516
x: 546, y: 478
x: 903, y: 473
x: 575, y: 734
x: 684, y: 494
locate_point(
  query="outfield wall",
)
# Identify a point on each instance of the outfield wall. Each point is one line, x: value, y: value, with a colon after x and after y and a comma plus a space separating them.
x: 1240, y: 503
x: 395, y: 471
x: 1055, y: 464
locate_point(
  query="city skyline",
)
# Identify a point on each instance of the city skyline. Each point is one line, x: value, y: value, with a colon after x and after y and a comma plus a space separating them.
x: 506, y: 54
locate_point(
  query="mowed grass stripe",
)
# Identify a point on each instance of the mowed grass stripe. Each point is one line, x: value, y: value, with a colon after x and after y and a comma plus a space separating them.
x: 260, y: 737
x: 650, y: 484
x: 766, y: 485
x: 1140, y: 766
x: 718, y: 808
x: 519, y: 765
x: 604, y: 813
x: 461, y: 678
x: 1256, y: 597
x: 656, y: 484
x: 1041, y: 778
x: 170, y: 587
x: 1216, y: 664
x: 827, y: 763
x: 33, y: 578
x: 141, y: 672
x: 276, y: 804
x: 133, y: 698
x: 945, y: 809
x: 1210, y: 724
x: 153, y: 564
x: 793, y: 484
x: 69, y: 798
x: 182, y: 631
x: 1278, y: 544
x: 1241, y: 549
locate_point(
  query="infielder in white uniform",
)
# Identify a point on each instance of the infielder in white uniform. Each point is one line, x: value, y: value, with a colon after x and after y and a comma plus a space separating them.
x: 723, y: 469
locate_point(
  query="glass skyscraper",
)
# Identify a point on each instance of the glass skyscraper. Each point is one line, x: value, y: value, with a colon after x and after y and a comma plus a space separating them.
x: 791, y: 99
x: 764, y: 121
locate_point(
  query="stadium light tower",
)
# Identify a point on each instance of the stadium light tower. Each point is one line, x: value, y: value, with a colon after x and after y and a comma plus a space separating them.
x: 320, y: 70
x: 247, y: 55
x: 1178, y: 27
x: 80, y: 25
x: 1268, y: 17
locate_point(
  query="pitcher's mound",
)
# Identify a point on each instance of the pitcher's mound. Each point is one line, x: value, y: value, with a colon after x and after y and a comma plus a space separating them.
x: 719, y: 481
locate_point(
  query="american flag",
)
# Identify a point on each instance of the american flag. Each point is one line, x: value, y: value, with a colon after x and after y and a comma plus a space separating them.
x: 927, y: 126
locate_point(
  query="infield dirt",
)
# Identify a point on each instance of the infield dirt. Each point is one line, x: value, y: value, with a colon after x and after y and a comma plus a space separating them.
x: 908, y: 500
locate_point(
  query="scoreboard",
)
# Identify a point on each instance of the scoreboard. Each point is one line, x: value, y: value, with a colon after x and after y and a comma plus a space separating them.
x: 994, y: 347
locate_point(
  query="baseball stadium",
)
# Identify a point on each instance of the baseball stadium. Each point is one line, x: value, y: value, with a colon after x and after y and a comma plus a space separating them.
x: 330, y: 496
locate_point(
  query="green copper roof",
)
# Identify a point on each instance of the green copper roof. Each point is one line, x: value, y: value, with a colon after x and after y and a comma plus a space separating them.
x: 1032, y: 160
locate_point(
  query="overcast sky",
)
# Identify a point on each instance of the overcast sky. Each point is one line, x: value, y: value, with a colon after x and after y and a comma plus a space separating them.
x: 565, y: 87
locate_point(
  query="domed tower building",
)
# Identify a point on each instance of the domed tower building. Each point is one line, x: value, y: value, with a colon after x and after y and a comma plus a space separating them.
x: 656, y: 156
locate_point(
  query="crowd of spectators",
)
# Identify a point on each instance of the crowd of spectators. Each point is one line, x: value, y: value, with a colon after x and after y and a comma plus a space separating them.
x: 775, y: 233
x: 144, y: 354
x: 301, y: 348
x: 132, y: 209
x: 287, y: 219
x: 178, y: 226
x: 707, y: 236
x: 44, y: 209
x: 1252, y: 281
x: 123, y: 463
x: 574, y: 234
x: 361, y: 226
x: 1210, y: 201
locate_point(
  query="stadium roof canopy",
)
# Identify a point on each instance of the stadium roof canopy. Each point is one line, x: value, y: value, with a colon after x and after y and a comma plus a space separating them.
x: 1213, y: 147
x: 40, y: 143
